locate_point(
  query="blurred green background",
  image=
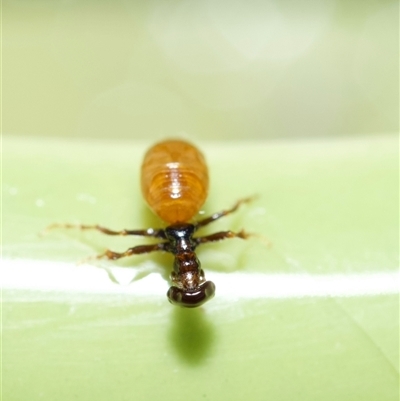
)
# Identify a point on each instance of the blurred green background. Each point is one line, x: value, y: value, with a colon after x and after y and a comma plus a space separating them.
x: 211, y: 69
x: 87, y: 86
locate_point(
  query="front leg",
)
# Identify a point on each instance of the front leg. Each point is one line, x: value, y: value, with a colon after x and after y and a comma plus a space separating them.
x: 150, y: 232
x: 136, y: 250
x: 217, y: 216
x: 220, y: 236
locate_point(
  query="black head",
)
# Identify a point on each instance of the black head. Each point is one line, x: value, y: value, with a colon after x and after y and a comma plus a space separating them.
x: 191, y: 298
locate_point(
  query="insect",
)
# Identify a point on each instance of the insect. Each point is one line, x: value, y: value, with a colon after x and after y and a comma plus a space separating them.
x: 174, y: 181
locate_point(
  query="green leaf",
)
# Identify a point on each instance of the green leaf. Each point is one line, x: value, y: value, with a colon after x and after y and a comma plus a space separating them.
x: 312, y: 317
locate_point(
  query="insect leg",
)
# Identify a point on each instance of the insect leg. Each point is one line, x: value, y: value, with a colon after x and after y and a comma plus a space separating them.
x: 136, y: 250
x: 220, y: 236
x: 223, y: 213
x: 150, y: 232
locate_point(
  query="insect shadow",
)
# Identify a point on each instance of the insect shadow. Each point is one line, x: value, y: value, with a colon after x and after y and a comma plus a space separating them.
x: 192, y: 335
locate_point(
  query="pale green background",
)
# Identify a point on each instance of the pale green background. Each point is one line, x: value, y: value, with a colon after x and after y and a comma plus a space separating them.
x: 120, y: 75
x: 212, y: 69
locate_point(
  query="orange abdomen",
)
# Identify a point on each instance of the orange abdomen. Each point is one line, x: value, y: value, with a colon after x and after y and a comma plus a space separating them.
x: 174, y: 179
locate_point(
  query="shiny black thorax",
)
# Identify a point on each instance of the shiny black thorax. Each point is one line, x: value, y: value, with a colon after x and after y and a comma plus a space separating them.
x: 180, y: 238
x: 182, y: 245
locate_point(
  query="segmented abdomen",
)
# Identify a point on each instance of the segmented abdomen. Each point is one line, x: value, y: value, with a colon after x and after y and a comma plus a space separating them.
x: 174, y: 180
